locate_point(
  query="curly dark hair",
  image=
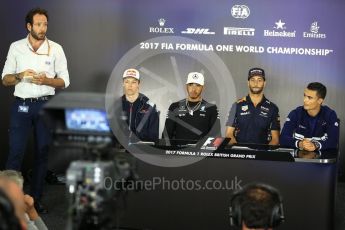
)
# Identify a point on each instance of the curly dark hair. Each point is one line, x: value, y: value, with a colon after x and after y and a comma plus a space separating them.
x: 30, y: 15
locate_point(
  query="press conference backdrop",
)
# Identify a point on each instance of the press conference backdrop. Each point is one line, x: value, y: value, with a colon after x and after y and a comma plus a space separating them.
x: 296, y: 42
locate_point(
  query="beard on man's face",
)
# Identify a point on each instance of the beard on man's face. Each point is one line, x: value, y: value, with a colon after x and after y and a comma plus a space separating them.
x: 37, y: 36
x: 256, y: 90
x: 194, y: 94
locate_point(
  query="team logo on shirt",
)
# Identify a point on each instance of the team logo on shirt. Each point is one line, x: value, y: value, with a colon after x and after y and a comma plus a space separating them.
x: 263, y: 114
x: 47, y: 62
x: 244, y: 108
x: 182, y: 108
x: 245, y: 113
x: 202, y: 109
x: 302, y: 127
x: 324, y: 137
x: 336, y: 124
x: 265, y: 109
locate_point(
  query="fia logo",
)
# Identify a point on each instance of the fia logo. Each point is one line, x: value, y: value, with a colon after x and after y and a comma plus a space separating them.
x: 240, y: 11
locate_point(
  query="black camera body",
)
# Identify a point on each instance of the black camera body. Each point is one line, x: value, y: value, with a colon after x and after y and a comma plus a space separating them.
x: 91, y: 200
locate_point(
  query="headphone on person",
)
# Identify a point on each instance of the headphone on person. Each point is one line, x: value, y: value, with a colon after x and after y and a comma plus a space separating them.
x: 235, y: 209
x: 8, y: 218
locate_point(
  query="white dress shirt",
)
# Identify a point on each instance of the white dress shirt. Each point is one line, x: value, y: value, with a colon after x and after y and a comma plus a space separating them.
x: 49, y: 58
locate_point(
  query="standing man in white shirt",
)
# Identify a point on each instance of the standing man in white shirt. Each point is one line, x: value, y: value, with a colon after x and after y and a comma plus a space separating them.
x: 35, y: 66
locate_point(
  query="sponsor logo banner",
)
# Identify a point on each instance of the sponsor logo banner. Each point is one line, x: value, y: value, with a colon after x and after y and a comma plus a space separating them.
x: 239, y: 31
x: 205, y: 31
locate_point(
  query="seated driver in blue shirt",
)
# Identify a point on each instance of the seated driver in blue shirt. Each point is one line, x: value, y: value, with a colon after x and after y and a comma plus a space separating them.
x: 312, y: 126
x: 254, y: 118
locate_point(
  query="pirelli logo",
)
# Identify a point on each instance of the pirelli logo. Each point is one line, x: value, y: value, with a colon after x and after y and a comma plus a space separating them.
x: 237, y: 31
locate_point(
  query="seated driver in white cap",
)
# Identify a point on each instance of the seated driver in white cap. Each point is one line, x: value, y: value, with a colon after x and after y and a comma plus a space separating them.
x: 138, y: 116
x: 192, y: 118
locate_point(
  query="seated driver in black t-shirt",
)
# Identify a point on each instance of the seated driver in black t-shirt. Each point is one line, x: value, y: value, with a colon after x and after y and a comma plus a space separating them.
x: 192, y: 118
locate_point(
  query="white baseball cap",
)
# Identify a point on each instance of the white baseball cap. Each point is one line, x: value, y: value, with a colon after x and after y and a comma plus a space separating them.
x: 131, y: 73
x: 195, y: 77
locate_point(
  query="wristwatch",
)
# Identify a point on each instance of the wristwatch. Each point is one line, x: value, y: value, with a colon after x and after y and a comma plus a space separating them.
x: 300, y: 148
x: 316, y: 144
x: 17, y: 76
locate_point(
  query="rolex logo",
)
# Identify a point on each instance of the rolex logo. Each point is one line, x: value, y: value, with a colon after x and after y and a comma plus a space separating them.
x: 161, y: 21
x: 161, y: 29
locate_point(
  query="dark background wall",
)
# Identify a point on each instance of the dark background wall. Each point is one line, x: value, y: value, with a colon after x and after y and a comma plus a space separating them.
x: 97, y: 35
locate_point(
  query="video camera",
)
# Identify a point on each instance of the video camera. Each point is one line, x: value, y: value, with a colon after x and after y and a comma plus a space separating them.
x: 79, y: 120
x: 92, y: 201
